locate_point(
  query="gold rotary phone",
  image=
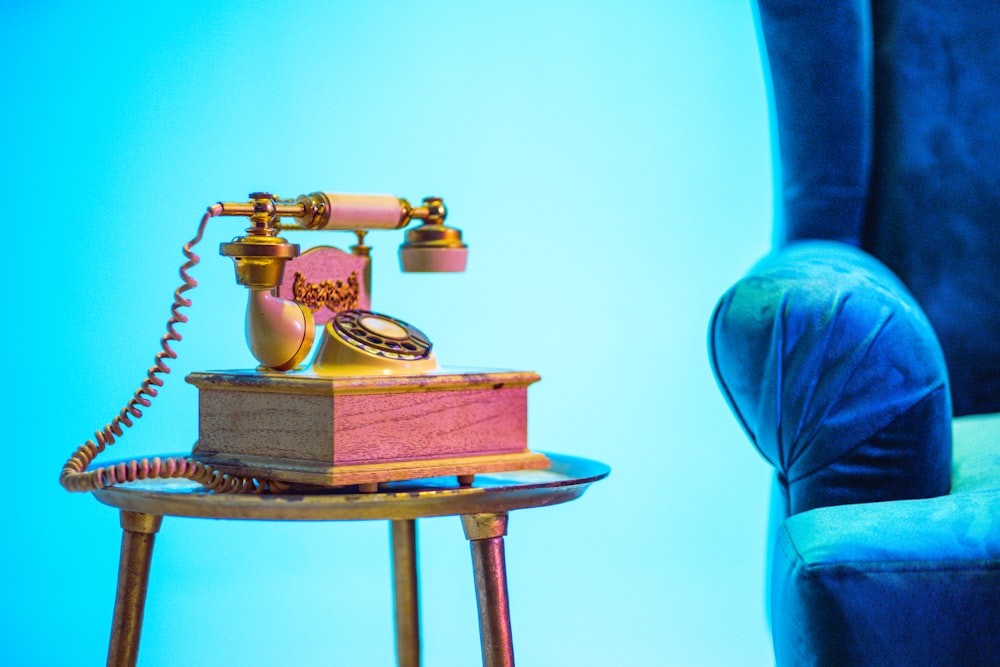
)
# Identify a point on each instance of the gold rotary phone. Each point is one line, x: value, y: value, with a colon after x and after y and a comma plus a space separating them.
x: 371, y: 406
x: 280, y: 332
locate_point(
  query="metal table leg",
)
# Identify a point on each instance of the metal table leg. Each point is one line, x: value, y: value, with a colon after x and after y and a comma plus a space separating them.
x: 404, y: 577
x: 485, y: 533
x: 138, y: 534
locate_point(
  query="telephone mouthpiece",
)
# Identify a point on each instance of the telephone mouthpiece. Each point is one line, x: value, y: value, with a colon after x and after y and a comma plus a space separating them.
x: 433, y: 247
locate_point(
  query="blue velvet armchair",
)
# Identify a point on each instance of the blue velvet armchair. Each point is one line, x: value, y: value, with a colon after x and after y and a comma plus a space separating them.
x: 862, y: 356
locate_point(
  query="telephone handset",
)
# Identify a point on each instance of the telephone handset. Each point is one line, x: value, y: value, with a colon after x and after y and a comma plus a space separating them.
x: 280, y: 331
x: 372, y: 406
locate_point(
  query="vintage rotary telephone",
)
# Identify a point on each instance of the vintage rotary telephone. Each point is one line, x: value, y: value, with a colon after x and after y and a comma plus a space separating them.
x: 371, y: 407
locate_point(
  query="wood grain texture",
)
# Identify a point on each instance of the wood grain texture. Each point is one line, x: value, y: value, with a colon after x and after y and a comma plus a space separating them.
x: 404, y: 427
x: 318, y: 474
x: 315, y: 429
x: 266, y: 424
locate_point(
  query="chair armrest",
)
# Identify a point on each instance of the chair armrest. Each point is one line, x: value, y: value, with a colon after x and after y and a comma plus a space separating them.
x: 836, y: 376
x: 901, y: 582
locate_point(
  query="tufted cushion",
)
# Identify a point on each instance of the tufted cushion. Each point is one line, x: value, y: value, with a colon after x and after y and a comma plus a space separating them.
x: 836, y: 376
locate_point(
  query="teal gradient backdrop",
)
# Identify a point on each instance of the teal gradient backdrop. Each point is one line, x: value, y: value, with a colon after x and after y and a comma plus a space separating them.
x: 609, y: 165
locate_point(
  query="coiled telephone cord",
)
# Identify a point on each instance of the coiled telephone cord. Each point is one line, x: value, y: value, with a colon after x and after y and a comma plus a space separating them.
x: 75, y: 475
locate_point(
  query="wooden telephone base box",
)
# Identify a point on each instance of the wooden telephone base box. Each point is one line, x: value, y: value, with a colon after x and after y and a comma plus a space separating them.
x: 337, y: 431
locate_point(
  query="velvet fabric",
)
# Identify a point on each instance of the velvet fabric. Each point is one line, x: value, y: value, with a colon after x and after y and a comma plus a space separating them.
x: 887, y: 121
x: 913, y: 582
x: 836, y: 376
x: 935, y: 196
x: 818, y: 62
x: 877, y: 315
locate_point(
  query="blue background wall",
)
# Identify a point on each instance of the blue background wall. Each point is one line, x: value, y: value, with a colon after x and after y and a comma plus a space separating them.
x: 609, y: 164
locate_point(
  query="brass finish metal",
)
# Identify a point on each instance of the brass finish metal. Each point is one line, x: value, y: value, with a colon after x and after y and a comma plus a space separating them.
x: 566, y: 479
x: 336, y: 295
x: 260, y: 255
x: 311, y: 210
x: 360, y: 330
x: 260, y: 260
x: 138, y: 534
x: 434, y: 236
x: 433, y: 233
x: 264, y: 206
x: 136, y: 522
x: 485, y: 533
x: 314, y: 212
x: 362, y: 250
x: 484, y: 526
x: 433, y: 211
x: 483, y: 507
x: 403, y: 534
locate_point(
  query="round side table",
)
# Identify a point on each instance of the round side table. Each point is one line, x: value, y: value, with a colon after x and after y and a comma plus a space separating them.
x: 483, y: 508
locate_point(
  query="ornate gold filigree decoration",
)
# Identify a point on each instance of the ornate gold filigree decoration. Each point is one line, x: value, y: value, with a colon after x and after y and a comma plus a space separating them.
x: 333, y: 294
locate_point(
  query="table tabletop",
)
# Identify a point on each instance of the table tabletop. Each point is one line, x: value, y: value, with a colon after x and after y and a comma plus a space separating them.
x: 566, y: 479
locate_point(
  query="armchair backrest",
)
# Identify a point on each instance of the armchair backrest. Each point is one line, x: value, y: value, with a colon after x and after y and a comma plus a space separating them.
x: 888, y: 124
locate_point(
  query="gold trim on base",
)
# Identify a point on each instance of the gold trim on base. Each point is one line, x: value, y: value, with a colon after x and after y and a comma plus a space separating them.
x: 308, y: 383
